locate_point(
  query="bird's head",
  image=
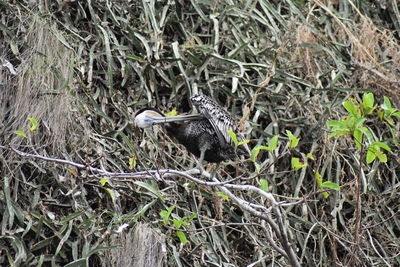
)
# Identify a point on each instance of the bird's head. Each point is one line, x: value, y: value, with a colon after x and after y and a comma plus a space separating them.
x: 147, y: 117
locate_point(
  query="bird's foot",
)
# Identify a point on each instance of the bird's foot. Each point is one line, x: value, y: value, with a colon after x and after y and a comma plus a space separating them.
x: 202, y: 171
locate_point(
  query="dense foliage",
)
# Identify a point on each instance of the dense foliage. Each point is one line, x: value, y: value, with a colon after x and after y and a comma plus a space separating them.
x: 314, y: 85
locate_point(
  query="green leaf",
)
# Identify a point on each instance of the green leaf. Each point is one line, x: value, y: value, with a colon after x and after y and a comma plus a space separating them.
x: 21, y: 133
x: 310, y: 156
x: 336, y: 125
x: 111, y: 193
x: 350, y: 107
x: 338, y: 133
x: 165, y: 214
x: 136, y: 58
x: 358, y: 138
x: 368, y: 100
x: 221, y: 194
x: 34, y: 124
x: 233, y: 137
x: 370, y: 156
x: 390, y: 121
x: 381, y: 114
x: 396, y: 114
x: 382, y: 145
x: 330, y: 185
x: 264, y: 185
x: 273, y: 143
x: 193, y: 216
x: 359, y: 122
x: 243, y: 142
x: 318, y: 178
x: 103, y: 181
x: 381, y: 156
x: 351, y: 122
x: 367, y: 132
x: 254, y: 153
x: 294, y: 141
x: 179, y: 223
x: 296, y: 164
x: 172, y: 113
x: 181, y: 236
x: 386, y: 103
x: 325, y: 194
x: 132, y: 162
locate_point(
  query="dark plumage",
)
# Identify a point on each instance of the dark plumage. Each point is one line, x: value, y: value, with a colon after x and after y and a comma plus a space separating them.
x: 205, y: 135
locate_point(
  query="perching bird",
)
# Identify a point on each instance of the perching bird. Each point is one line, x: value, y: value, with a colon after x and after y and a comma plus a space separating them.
x: 205, y: 135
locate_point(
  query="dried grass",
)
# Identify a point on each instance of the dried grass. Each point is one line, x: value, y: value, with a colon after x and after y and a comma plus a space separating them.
x: 41, y: 89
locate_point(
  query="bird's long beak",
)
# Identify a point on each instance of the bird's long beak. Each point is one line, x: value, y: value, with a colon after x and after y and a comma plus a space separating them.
x: 148, y: 119
x: 160, y: 120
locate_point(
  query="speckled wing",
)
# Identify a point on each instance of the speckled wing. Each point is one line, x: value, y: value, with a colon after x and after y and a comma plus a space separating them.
x: 219, y: 118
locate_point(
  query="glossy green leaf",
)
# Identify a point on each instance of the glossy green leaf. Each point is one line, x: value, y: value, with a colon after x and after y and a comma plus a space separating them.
x: 192, y: 216
x: 103, y: 181
x: 370, y: 157
x: 264, y: 185
x: 243, y: 142
x: 136, y: 58
x: 221, y: 194
x: 182, y: 237
x: 368, y: 100
x: 132, y: 162
x: 178, y: 223
x: 358, y: 138
x: 382, y: 145
x: 165, y: 214
x: 396, y: 114
x: 21, y: 133
x: 318, y: 178
x: 273, y: 143
x: 330, y: 185
x: 381, y: 156
x: 294, y: 141
x: 172, y: 113
x: 254, y: 153
x: 359, y: 122
x: 386, y: 103
x: 350, y: 107
x: 336, y: 124
x: 296, y: 164
x: 233, y: 137
x: 366, y: 132
x: 338, y: 133
x: 34, y: 124
x: 111, y: 193
x: 310, y: 156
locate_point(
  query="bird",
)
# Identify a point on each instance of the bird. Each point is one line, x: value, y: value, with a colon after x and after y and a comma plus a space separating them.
x: 205, y: 135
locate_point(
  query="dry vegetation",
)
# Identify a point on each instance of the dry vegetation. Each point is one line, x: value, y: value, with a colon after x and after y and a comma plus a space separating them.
x: 87, y: 189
